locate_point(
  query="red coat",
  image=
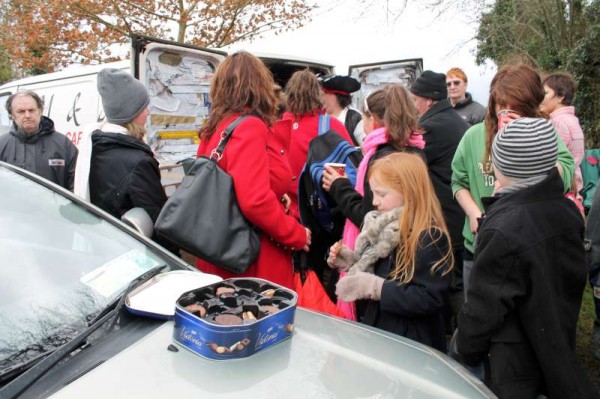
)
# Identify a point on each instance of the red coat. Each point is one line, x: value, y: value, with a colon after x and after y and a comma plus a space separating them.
x: 304, y: 129
x: 255, y: 158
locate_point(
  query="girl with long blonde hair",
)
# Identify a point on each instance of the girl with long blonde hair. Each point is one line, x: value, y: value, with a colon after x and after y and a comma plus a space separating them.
x: 402, y: 257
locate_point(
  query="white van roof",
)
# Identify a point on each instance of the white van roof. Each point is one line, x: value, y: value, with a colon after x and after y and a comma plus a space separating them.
x: 69, y: 72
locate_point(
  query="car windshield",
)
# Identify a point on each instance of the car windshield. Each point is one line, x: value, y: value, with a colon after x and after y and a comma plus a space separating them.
x: 60, y: 265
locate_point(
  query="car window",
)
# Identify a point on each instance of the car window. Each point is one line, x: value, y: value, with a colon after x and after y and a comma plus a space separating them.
x: 60, y: 265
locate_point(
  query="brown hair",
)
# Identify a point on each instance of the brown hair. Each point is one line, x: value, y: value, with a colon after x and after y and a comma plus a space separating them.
x: 422, y: 213
x: 303, y: 93
x: 26, y: 93
x: 400, y: 117
x: 459, y: 73
x: 563, y: 85
x: 375, y: 105
x: 518, y: 87
x: 242, y: 84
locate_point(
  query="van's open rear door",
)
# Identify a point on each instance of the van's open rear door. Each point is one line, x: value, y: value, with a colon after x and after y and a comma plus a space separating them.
x: 376, y: 75
x: 178, y: 80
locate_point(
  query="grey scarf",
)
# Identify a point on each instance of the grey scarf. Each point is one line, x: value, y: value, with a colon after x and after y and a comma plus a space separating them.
x: 379, y: 236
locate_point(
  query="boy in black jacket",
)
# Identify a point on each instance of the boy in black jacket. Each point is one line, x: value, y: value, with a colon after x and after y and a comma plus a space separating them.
x: 529, y: 273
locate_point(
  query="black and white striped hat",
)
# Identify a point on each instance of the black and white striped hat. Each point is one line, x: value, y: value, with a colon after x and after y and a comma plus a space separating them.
x: 525, y: 148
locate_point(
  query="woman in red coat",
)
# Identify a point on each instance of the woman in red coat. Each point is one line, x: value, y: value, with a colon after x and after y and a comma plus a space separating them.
x: 255, y: 159
x: 303, y: 109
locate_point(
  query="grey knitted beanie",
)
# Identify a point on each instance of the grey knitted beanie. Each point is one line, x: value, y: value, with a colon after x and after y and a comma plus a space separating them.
x: 525, y: 148
x: 123, y: 96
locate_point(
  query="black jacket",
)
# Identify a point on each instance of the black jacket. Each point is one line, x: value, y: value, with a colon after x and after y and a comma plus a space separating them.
x: 443, y: 130
x: 47, y: 153
x: 525, y: 294
x: 414, y: 310
x: 353, y: 205
x: 471, y: 111
x: 124, y: 174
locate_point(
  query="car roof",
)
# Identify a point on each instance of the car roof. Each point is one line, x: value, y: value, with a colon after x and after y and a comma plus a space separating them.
x: 325, y: 357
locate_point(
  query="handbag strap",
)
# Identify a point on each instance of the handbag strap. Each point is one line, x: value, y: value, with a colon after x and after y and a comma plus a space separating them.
x: 217, y: 153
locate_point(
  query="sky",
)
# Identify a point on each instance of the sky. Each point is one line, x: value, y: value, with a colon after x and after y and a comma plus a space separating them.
x: 346, y: 32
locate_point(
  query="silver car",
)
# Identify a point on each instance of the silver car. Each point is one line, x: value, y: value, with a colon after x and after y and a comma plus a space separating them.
x: 65, y: 332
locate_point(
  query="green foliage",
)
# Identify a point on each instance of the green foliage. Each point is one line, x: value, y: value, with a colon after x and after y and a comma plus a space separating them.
x: 6, y: 72
x: 584, y: 63
x: 552, y: 35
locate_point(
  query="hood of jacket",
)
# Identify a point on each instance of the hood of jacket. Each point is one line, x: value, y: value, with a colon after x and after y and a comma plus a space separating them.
x: 436, y: 108
x: 46, y: 128
x: 104, y: 141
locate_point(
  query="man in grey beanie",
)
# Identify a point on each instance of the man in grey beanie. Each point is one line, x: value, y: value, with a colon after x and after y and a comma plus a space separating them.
x: 123, y: 97
x: 443, y: 129
x: 529, y: 273
x: 122, y: 172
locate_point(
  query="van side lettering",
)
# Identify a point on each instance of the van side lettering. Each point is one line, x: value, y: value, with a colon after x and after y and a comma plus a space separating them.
x: 75, y: 137
x: 73, y: 113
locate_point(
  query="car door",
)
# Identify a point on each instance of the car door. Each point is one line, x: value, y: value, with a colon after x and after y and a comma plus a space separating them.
x: 177, y: 77
x: 374, y: 76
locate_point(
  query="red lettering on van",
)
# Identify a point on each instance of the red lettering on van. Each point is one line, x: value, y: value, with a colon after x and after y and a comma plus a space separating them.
x: 75, y: 137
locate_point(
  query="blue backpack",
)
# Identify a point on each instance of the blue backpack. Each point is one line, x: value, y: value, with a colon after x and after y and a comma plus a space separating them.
x: 318, y: 210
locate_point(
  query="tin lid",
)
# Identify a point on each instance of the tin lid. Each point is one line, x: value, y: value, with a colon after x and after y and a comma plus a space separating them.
x: 157, y: 297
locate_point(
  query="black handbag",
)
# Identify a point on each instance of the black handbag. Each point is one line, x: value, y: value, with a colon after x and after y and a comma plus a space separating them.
x: 203, y: 217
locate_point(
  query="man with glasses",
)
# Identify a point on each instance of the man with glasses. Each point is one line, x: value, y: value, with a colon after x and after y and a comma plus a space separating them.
x: 462, y: 101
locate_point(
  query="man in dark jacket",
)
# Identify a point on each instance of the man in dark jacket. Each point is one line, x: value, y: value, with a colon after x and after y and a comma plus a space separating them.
x: 462, y: 101
x: 34, y: 145
x: 529, y: 274
x: 443, y: 129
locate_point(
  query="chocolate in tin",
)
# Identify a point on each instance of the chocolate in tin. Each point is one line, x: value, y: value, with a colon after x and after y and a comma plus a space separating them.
x: 234, y: 318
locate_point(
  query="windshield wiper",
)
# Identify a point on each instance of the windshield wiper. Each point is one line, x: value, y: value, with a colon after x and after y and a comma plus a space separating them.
x: 25, y: 380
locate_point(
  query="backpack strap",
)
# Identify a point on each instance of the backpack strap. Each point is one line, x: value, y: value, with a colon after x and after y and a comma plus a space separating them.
x: 324, y: 123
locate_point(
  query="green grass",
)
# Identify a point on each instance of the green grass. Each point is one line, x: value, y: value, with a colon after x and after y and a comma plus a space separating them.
x: 585, y: 349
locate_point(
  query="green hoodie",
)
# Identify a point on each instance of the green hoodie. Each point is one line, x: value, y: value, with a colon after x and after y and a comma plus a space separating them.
x: 470, y: 172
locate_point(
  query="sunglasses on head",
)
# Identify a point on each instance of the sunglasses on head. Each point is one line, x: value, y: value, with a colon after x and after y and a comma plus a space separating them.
x: 453, y: 82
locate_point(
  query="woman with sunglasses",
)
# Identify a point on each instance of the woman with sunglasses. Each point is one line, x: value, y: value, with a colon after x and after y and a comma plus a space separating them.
x: 516, y: 91
x: 462, y: 101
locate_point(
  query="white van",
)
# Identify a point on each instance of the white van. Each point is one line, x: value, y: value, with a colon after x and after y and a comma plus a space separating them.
x: 178, y: 79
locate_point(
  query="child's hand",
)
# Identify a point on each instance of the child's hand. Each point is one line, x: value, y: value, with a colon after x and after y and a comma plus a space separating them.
x: 329, y: 176
x: 340, y: 257
x: 359, y: 286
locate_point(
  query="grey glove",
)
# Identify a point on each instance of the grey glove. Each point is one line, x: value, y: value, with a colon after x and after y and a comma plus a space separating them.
x: 343, y: 260
x: 359, y: 286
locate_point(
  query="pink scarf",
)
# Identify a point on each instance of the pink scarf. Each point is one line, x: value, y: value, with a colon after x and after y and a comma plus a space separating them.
x: 372, y: 141
x: 369, y: 146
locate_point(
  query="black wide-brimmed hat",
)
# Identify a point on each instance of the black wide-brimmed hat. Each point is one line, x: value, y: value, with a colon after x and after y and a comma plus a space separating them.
x: 339, y: 84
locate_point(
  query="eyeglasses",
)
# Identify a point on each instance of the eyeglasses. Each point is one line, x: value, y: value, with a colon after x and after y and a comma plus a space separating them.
x: 453, y: 82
